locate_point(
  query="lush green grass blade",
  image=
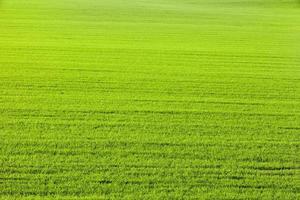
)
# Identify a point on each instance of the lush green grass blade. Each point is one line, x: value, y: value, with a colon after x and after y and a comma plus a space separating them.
x: 149, y: 99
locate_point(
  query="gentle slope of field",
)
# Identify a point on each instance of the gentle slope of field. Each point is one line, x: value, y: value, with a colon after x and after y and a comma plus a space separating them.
x: 149, y: 99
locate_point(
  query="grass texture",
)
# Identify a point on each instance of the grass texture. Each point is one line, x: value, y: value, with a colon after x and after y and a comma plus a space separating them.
x: 149, y: 99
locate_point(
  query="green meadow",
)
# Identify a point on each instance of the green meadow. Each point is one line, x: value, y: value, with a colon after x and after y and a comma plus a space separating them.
x: 149, y: 99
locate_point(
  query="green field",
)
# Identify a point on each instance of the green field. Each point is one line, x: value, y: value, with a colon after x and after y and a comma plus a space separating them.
x: 149, y: 99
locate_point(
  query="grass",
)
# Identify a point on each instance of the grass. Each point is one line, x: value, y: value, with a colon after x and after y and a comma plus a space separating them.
x: 149, y: 99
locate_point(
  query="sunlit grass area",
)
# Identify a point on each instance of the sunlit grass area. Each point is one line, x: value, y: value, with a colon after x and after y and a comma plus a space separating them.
x: 149, y: 99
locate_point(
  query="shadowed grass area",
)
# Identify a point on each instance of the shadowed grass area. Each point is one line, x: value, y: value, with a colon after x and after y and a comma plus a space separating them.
x: 149, y: 99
